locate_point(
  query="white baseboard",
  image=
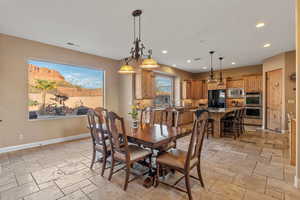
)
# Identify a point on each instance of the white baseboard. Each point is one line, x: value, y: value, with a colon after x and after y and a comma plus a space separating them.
x: 297, y: 182
x: 42, y: 143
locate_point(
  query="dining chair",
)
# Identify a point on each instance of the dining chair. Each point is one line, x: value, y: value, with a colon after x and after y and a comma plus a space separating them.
x: 97, y: 122
x: 185, y: 161
x: 122, y: 151
x: 184, y: 122
x: 147, y: 116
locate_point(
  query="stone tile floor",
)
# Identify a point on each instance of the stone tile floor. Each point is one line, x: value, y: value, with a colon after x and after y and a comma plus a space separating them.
x: 255, y: 167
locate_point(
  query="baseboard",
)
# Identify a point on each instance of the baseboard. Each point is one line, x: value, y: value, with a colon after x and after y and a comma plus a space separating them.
x: 297, y: 182
x: 42, y: 143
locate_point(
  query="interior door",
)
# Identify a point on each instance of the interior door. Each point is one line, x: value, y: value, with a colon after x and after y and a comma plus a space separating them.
x: 274, y: 100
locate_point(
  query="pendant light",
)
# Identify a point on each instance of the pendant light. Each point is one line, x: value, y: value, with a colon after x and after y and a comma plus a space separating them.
x: 126, y: 69
x: 137, y: 51
x: 211, y: 78
x: 221, y: 72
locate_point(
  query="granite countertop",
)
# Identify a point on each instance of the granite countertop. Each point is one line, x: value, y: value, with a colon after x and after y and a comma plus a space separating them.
x: 221, y: 110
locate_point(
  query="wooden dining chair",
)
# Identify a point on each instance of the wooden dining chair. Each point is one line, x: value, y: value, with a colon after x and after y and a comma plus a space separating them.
x: 185, y: 161
x: 97, y: 122
x: 147, y: 116
x: 122, y: 151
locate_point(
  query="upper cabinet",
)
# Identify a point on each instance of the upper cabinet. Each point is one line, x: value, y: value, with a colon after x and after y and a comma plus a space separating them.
x: 194, y: 89
x: 235, y: 83
x: 144, y: 85
x: 216, y: 86
x: 253, y: 83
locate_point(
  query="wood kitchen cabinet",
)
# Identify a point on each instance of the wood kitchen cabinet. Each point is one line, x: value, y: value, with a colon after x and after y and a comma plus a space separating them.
x: 144, y: 85
x: 253, y: 83
x: 187, y: 89
x: 235, y: 83
x: 194, y: 89
x: 204, y: 90
x: 216, y: 86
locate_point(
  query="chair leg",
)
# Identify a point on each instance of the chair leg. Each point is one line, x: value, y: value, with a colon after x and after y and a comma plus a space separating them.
x: 127, y: 176
x: 200, y: 175
x: 104, y: 164
x: 157, y: 175
x: 93, y: 158
x: 188, y: 186
x: 112, y: 167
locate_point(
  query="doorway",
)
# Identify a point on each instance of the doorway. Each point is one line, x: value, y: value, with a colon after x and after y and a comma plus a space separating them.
x: 274, y: 100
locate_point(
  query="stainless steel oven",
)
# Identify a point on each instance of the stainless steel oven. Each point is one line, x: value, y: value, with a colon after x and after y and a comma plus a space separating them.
x: 253, y: 99
x: 254, y: 112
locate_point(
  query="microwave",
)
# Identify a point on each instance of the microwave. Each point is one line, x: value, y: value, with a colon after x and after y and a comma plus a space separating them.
x: 235, y: 93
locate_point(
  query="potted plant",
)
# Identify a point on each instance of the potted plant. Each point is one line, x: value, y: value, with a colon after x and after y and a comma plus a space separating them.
x: 134, y: 115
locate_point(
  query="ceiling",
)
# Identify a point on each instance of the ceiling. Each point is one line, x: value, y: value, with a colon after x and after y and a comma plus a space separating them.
x: 187, y: 29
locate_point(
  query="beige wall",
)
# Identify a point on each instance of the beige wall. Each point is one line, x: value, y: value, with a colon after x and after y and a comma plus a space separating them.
x: 286, y: 62
x: 233, y: 72
x: 13, y: 80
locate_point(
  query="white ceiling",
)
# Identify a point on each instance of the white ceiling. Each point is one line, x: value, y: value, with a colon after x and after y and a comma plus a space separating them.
x: 187, y: 29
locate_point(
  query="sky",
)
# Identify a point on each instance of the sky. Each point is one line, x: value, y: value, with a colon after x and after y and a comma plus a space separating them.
x: 77, y: 75
x: 163, y: 84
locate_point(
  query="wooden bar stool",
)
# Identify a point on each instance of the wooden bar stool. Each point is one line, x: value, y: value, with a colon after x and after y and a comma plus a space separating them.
x: 210, y: 127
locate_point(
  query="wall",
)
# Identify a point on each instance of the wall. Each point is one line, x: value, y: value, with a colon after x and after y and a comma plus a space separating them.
x: 286, y: 62
x: 233, y: 72
x: 13, y: 80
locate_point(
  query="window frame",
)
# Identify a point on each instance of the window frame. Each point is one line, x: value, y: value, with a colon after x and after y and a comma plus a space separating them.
x: 172, y: 96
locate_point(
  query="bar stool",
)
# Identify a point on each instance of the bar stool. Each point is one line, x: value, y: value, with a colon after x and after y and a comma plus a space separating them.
x: 210, y: 127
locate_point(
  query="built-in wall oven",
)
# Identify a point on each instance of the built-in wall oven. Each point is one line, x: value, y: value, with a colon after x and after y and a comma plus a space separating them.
x: 254, y: 112
x: 253, y: 103
x: 253, y: 99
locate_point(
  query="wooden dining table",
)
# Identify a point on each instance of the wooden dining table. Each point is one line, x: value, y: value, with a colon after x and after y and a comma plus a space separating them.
x: 152, y: 136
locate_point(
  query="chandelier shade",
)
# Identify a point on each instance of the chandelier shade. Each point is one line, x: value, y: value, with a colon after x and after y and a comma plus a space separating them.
x: 126, y: 69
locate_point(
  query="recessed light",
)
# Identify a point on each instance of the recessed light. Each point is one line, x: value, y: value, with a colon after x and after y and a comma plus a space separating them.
x: 233, y: 63
x: 164, y: 51
x: 260, y: 25
x: 174, y: 65
x: 267, y: 45
x: 188, y: 61
x: 204, y: 67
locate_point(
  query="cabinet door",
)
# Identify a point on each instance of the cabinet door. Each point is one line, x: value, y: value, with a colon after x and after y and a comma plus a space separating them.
x: 144, y: 85
x: 204, y: 90
x: 186, y: 89
x: 196, y: 89
x: 235, y: 84
x: 253, y: 83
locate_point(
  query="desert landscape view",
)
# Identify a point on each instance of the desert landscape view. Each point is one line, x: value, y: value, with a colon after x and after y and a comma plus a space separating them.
x: 59, y: 90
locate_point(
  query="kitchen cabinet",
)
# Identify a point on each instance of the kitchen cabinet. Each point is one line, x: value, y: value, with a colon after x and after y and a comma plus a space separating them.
x: 216, y: 86
x: 235, y: 83
x: 253, y: 83
x: 144, y: 85
x: 204, y: 90
x: 194, y: 89
x: 187, y: 89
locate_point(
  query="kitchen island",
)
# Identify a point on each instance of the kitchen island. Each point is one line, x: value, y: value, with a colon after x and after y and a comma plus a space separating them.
x: 217, y: 114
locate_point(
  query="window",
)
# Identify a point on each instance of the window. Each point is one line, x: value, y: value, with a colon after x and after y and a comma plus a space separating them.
x: 164, y: 90
x: 58, y: 90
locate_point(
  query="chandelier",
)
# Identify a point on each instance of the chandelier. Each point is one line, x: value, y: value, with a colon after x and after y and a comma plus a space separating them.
x: 137, y: 51
x: 211, y: 76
